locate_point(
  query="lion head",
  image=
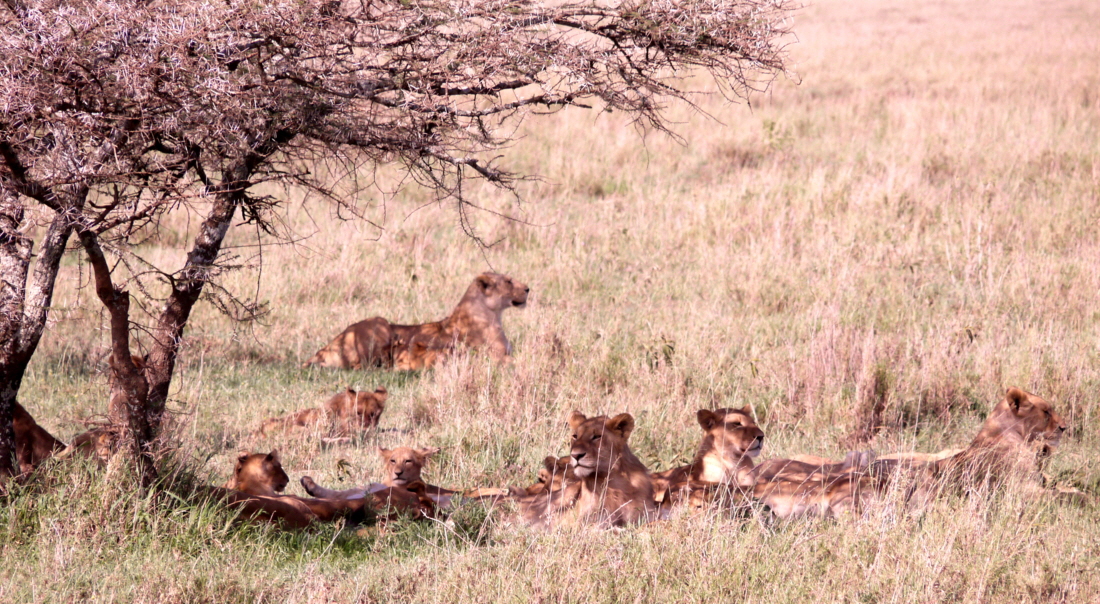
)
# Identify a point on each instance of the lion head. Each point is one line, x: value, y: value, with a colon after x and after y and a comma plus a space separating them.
x: 1022, y: 418
x: 599, y: 443
x: 499, y: 292
x: 362, y: 408
x: 402, y: 465
x: 259, y: 474
x: 730, y: 437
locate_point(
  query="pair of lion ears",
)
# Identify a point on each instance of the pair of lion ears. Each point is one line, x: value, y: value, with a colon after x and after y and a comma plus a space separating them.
x: 709, y: 419
x: 425, y: 452
x: 273, y: 456
x: 555, y: 463
x: 622, y: 423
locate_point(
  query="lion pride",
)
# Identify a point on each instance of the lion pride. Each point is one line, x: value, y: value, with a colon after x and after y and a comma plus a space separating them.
x: 475, y: 322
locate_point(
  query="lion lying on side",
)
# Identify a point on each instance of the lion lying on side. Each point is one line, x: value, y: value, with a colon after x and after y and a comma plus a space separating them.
x: 261, y: 477
x: 402, y: 467
x: 554, y: 474
x: 1014, y: 440
x: 346, y: 413
x: 475, y: 323
x: 612, y: 488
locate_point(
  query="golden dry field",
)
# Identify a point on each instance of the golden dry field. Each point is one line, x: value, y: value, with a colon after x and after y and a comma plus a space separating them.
x: 912, y: 219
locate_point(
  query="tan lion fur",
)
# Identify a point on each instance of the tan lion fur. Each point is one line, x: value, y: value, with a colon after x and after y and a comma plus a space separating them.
x: 612, y: 488
x: 346, y: 413
x: 475, y: 322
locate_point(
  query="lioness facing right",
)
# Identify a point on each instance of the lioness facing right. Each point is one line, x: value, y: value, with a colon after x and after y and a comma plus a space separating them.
x: 347, y: 412
x: 1014, y: 440
x: 724, y: 461
x: 475, y: 322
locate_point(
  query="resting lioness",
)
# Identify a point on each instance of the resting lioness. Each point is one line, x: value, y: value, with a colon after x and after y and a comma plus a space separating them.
x: 613, y: 487
x: 33, y: 444
x: 1021, y: 431
x: 731, y: 439
x: 347, y: 412
x: 475, y: 322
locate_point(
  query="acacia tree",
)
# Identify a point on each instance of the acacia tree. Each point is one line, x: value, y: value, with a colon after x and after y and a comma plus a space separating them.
x: 116, y: 113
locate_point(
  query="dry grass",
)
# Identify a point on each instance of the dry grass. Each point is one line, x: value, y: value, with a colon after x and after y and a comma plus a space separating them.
x: 912, y: 228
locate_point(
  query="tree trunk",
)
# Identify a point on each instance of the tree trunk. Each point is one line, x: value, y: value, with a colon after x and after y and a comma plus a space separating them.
x: 128, y: 383
x: 24, y: 305
x: 15, y: 252
x: 187, y: 287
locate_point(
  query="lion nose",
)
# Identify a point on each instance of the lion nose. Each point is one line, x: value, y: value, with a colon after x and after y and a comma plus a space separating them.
x: 527, y: 290
x: 577, y: 457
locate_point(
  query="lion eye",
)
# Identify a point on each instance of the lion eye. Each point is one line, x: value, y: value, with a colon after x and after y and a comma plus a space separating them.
x: 596, y: 437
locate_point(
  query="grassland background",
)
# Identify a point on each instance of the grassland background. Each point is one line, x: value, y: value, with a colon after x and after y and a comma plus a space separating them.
x: 920, y: 212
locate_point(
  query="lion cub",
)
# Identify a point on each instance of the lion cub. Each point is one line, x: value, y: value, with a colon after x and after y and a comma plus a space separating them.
x: 401, y: 467
x: 612, y: 488
x: 731, y: 439
x: 347, y: 413
x: 261, y: 476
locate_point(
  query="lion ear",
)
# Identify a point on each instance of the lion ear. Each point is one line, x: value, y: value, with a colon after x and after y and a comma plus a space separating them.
x: 747, y: 410
x: 484, y: 281
x: 384, y: 453
x: 429, y: 451
x: 707, y: 418
x: 550, y: 463
x: 381, y: 392
x: 351, y: 392
x: 576, y: 418
x: 1016, y: 398
x: 273, y: 456
x: 622, y: 423
x: 243, y: 457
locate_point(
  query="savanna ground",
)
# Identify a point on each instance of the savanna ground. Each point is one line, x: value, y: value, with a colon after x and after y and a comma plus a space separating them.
x: 915, y: 225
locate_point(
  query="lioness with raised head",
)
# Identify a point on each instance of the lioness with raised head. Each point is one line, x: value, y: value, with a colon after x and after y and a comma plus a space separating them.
x: 724, y: 460
x: 475, y: 323
x: 612, y: 488
x: 346, y: 413
x: 1018, y: 435
x: 1015, y: 440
